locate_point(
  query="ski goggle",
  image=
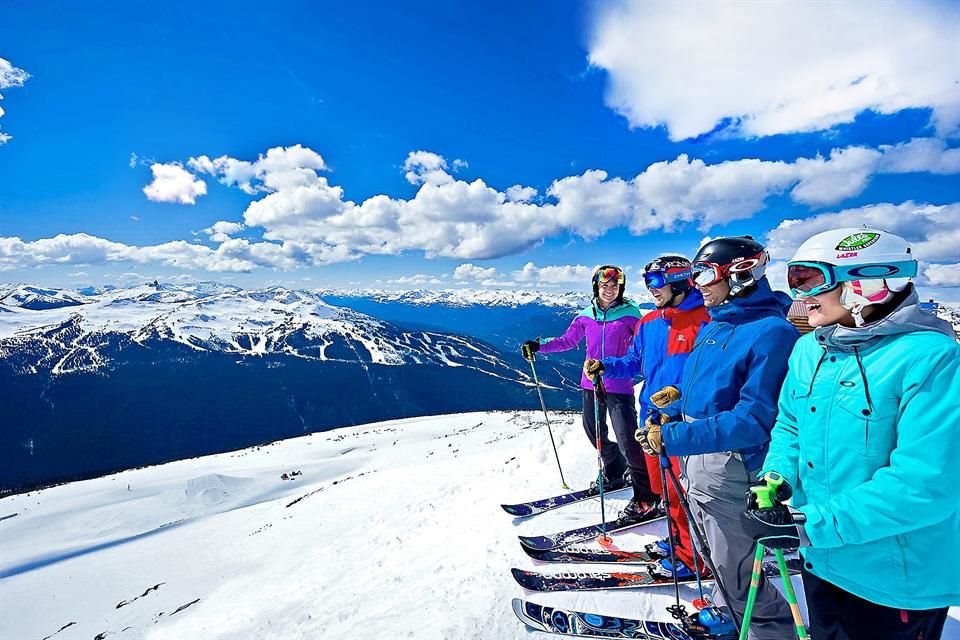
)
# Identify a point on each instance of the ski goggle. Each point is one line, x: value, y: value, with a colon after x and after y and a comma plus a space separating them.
x: 807, y: 279
x: 707, y: 273
x: 608, y: 272
x: 658, y: 279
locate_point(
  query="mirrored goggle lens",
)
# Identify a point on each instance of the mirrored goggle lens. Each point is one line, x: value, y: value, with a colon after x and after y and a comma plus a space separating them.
x: 610, y: 273
x: 706, y: 273
x: 806, y: 279
x: 655, y: 280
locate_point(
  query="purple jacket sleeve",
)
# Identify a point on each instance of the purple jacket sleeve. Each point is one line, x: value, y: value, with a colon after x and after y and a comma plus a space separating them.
x: 630, y: 364
x: 569, y: 340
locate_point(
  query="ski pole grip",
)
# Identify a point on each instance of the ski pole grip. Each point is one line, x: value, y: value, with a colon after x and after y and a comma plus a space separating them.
x: 765, y: 492
x: 654, y: 414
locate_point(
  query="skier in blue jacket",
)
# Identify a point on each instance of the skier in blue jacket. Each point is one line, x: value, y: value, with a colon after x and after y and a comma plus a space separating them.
x: 868, y: 440
x: 720, y: 415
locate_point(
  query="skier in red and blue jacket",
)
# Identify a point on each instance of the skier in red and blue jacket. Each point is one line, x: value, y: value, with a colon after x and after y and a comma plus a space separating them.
x: 608, y: 325
x: 661, y: 344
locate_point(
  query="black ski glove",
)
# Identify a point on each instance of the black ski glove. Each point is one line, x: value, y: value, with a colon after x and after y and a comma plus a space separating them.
x: 772, y: 483
x: 774, y: 528
x: 529, y: 348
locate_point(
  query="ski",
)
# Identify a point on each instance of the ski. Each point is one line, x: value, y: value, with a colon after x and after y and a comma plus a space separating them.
x: 572, y: 536
x: 594, y: 625
x: 524, y: 509
x: 589, y: 554
x: 598, y: 580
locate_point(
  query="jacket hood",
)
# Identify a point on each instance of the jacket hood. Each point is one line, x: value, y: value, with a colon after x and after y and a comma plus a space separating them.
x: 905, y: 318
x: 760, y: 302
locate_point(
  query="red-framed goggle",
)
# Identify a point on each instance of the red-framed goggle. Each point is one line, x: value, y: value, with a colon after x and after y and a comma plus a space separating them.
x: 708, y: 273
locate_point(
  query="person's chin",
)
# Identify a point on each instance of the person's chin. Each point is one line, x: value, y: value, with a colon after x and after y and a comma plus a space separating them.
x: 817, y: 318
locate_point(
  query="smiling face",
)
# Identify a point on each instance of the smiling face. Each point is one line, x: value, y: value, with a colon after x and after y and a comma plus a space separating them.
x: 607, y: 292
x: 714, y: 294
x: 825, y: 309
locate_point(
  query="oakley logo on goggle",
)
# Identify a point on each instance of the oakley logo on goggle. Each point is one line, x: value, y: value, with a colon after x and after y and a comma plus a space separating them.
x: 743, y: 264
x: 873, y: 271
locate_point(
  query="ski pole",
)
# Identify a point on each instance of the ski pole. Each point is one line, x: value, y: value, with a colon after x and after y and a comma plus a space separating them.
x: 543, y: 405
x: 752, y: 594
x: 704, y: 547
x: 664, y: 463
x: 597, y: 390
x: 791, y: 595
x: 765, y: 496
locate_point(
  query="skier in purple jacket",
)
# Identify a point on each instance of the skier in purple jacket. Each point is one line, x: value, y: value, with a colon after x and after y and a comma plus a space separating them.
x: 608, y: 325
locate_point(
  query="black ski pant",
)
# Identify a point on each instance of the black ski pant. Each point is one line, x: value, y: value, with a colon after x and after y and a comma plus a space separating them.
x: 625, y: 453
x: 836, y: 614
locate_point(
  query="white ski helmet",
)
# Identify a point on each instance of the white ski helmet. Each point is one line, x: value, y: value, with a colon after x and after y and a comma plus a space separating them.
x: 870, y: 265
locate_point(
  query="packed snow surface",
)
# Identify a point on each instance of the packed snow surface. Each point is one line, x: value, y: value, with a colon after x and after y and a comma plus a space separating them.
x: 384, y: 531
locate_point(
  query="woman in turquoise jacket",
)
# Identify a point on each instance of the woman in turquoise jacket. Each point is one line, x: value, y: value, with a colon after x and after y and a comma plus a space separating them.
x: 867, y: 439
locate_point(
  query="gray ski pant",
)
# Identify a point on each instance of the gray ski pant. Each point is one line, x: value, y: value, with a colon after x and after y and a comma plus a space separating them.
x: 716, y: 483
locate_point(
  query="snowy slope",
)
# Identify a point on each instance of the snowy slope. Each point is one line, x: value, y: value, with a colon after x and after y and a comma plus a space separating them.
x: 38, y: 298
x: 392, y: 530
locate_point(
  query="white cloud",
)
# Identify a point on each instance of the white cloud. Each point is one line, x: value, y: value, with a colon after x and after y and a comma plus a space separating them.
x: 417, y: 280
x: 425, y: 167
x: 517, y: 193
x: 556, y: 274
x: 942, y: 275
x: 83, y: 249
x: 776, y: 67
x: 10, y: 76
x: 305, y: 220
x: 473, y: 272
x: 919, y: 155
x: 222, y: 230
x: 932, y: 230
x: 299, y: 209
x: 281, y: 167
x: 79, y: 274
x: 173, y: 183
x: 133, y: 160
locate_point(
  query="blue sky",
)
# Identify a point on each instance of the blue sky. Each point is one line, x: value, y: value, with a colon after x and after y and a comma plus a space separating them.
x: 398, y: 145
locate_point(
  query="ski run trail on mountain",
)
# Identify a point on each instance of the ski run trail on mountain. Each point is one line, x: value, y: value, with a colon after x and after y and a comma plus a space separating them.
x: 383, y: 531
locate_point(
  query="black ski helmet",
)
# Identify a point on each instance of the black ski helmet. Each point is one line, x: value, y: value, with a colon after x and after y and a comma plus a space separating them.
x: 740, y: 260
x: 671, y: 266
x: 606, y: 272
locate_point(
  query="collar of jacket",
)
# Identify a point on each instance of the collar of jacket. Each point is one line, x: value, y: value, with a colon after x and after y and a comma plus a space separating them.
x: 693, y: 301
x: 613, y: 312
x: 905, y: 318
x: 760, y: 302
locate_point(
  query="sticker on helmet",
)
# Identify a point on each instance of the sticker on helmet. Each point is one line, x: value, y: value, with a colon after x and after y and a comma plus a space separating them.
x: 858, y: 241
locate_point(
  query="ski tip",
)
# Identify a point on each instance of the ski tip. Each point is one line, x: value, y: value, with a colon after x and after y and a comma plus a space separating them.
x: 537, y: 543
x: 526, y: 579
x: 516, y: 509
x: 520, y: 609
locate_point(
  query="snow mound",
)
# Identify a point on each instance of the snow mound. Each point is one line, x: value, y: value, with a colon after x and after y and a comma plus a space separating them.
x: 214, y: 489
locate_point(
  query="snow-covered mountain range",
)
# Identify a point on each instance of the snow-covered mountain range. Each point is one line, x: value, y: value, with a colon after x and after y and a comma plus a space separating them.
x: 382, y: 531
x: 76, y: 335
x: 467, y: 297
x: 251, y: 366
